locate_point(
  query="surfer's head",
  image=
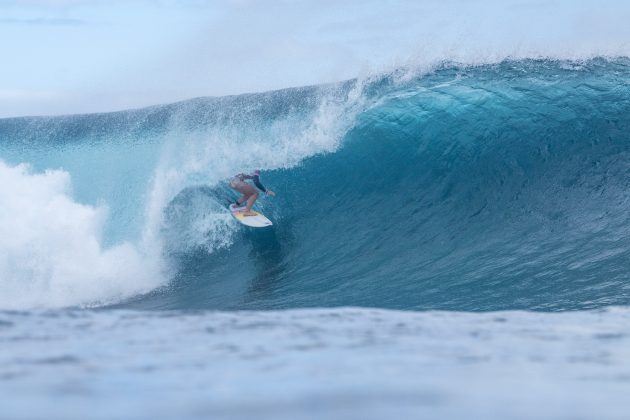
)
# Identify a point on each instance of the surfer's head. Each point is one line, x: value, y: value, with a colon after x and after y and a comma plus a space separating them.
x: 257, y: 172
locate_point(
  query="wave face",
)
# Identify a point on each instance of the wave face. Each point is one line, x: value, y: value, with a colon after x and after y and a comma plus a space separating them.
x: 478, y: 188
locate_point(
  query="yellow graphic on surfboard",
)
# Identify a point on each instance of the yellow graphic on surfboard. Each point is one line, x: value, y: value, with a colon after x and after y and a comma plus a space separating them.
x: 257, y: 221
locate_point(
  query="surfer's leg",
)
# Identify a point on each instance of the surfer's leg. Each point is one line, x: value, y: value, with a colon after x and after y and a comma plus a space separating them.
x: 245, y: 189
x: 251, y: 200
x: 250, y: 203
x: 249, y: 194
x: 241, y: 200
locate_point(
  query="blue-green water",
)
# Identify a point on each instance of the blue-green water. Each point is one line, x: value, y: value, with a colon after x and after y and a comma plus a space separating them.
x: 469, y: 189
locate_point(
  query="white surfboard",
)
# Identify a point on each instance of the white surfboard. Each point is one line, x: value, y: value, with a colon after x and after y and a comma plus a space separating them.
x: 257, y: 221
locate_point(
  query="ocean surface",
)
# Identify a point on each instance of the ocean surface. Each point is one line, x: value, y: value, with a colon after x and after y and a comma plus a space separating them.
x: 448, y: 242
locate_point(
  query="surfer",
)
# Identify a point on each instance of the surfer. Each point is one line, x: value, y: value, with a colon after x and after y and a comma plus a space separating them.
x: 249, y: 193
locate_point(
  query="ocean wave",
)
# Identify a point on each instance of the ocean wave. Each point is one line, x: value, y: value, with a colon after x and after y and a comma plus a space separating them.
x: 486, y: 187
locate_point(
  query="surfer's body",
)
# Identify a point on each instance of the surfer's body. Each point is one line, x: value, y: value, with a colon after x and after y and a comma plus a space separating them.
x: 250, y: 194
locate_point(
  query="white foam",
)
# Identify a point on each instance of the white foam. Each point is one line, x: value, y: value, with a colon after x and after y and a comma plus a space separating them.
x: 50, y: 247
x: 213, y: 155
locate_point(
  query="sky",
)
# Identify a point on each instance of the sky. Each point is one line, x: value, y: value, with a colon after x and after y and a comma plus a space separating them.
x: 81, y: 56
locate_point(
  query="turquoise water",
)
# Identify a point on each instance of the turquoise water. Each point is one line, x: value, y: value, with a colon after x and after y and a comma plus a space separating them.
x: 465, y: 189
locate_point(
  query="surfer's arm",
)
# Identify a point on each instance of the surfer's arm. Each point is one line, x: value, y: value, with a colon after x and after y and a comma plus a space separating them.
x: 258, y: 184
